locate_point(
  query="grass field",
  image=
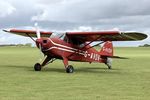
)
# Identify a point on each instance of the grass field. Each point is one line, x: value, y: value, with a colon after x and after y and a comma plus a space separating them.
x: 128, y: 80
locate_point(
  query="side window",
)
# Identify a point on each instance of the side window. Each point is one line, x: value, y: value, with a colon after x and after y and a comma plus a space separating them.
x: 77, y: 42
x: 62, y: 36
x: 82, y: 45
x: 74, y: 41
x: 66, y: 39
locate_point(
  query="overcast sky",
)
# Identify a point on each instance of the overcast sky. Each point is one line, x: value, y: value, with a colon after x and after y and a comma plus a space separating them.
x: 72, y: 15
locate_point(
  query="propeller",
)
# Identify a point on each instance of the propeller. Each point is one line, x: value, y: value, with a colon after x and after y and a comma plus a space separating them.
x: 37, y: 31
x: 38, y: 37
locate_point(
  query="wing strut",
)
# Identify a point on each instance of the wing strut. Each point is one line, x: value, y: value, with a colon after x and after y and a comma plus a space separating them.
x: 91, y: 42
x: 96, y: 45
x: 30, y: 37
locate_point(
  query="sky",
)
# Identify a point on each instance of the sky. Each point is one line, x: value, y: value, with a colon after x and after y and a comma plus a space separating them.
x: 74, y: 15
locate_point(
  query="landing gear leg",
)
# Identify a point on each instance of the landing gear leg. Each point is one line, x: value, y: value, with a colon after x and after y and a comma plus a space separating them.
x: 69, y: 68
x: 38, y: 66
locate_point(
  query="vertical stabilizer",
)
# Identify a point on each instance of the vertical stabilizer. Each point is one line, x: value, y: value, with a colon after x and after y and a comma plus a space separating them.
x: 107, y: 49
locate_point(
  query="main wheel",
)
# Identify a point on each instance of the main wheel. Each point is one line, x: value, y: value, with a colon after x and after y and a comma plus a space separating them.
x: 70, y: 69
x: 37, y: 67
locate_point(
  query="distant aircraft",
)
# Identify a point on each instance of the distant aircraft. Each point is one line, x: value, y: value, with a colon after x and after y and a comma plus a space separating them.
x: 75, y: 46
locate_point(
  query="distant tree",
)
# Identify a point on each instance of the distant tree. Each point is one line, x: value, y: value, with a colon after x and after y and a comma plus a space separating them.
x: 28, y: 44
x: 145, y: 45
x: 19, y: 45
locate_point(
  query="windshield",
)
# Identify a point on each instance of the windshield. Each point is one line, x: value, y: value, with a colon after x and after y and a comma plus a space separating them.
x: 57, y: 35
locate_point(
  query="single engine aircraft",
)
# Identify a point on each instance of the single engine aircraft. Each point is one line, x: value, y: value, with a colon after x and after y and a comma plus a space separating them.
x: 75, y: 46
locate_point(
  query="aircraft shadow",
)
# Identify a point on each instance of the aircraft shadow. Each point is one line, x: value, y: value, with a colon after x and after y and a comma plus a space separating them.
x: 15, y: 66
x: 84, y: 70
x: 97, y: 70
x: 62, y: 70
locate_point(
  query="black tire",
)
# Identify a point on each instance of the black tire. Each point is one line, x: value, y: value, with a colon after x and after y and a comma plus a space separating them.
x: 70, y: 69
x: 37, y: 67
x: 109, y: 63
x: 109, y: 67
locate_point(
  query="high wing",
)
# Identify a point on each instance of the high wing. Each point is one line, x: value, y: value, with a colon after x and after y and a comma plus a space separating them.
x: 105, y: 36
x: 82, y: 37
x: 28, y: 33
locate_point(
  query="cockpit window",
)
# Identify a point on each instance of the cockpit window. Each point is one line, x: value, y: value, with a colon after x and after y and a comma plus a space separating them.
x: 58, y: 35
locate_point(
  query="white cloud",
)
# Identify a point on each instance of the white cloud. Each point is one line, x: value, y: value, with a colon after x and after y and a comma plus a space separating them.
x: 76, y: 15
x: 90, y: 11
x: 6, y: 9
x: 57, y: 11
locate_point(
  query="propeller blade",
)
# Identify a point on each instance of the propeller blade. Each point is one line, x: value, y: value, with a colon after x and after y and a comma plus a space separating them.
x: 38, y: 37
x: 37, y: 31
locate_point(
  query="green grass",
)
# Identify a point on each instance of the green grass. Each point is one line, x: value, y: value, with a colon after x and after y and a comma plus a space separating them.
x: 128, y: 80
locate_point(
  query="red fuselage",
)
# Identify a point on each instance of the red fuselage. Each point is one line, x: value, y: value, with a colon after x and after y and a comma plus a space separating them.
x: 58, y: 48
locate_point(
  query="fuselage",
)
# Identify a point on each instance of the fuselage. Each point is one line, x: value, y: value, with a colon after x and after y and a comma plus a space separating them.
x: 58, y: 48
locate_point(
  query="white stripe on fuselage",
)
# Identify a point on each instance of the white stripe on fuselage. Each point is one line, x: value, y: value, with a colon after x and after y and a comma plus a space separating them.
x: 59, y: 48
x: 64, y: 48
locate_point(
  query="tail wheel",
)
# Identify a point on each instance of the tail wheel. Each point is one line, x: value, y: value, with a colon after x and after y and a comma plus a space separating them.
x: 37, y: 67
x: 109, y: 66
x: 109, y: 63
x: 70, y: 69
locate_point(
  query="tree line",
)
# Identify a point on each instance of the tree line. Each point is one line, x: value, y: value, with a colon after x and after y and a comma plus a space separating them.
x: 17, y: 45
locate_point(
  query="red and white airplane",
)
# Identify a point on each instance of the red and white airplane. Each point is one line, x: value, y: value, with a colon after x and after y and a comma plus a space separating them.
x: 75, y: 46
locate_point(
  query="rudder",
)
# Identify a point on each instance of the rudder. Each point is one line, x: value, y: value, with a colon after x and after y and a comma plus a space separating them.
x: 107, y: 49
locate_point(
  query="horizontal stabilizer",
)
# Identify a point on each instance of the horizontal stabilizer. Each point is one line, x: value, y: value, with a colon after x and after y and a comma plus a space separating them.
x: 117, y: 57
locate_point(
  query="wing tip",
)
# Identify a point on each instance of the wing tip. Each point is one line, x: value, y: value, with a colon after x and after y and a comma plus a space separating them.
x: 139, y: 35
x: 6, y: 30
